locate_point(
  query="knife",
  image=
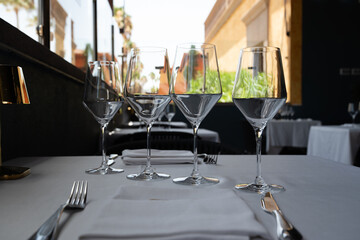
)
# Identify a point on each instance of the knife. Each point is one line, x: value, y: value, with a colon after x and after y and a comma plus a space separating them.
x: 284, y: 229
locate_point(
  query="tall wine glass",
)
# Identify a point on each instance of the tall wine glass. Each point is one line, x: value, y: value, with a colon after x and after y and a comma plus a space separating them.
x: 259, y: 92
x: 147, y: 92
x: 195, y: 88
x: 103, y: 97
x: 353, y: 110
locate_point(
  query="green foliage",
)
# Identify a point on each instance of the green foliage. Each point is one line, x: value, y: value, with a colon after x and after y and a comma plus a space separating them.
x: 211, y: 85
x: 227, y: 82
x: 249, y: 86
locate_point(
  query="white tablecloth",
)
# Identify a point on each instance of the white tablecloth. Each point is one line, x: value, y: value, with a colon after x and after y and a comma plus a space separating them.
x: 337, y: 143
x: 321, y: 198
x: 288, y: 133
x: 204, y: 134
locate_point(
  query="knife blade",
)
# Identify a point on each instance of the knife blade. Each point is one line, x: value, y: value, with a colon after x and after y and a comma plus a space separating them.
x: 284, y: 229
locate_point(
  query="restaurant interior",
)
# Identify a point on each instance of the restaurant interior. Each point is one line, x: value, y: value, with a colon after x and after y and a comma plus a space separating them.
x: 319, y: 42
x: 56, y: 122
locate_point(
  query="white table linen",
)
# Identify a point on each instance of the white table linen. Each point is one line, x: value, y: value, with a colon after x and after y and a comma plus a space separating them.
x: 140, y: 212
x: 139, y: 156
x: 288, y: 133
x: 321, y: 198
x: 337, y: 143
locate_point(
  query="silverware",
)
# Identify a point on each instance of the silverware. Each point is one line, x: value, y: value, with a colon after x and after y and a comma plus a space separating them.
x: 111, y: 159
x: 210, y: 159
x: 284, y: 229
x: 77, y: 200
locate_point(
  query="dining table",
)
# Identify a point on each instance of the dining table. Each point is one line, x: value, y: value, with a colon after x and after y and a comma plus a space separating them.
x: 339, y: 143
x: 282, y: 133
x: 321, y: 198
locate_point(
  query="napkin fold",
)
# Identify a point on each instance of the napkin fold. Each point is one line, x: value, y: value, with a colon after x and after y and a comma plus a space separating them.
x: 138, y: 156
x: 138, y: 212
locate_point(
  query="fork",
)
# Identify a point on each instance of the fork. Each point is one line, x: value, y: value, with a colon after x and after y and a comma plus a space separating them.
x: 76, y: 200
x: 210, y: 159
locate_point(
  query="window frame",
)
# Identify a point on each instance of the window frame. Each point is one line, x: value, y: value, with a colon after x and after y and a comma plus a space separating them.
x: 43, y: 28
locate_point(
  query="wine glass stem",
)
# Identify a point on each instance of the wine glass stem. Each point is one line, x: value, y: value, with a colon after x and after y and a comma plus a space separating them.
x: 148, y: 143
x: 258, y: 137
x: 195, y: 173
x: 104, y: 162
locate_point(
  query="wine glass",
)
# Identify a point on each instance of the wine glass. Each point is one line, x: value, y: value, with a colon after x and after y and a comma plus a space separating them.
x: 353, y: 111
x: 170, y: 111
x: 195, y: 88
x: 147, y: 92
x: 103, y: 97
x: 259, y: 92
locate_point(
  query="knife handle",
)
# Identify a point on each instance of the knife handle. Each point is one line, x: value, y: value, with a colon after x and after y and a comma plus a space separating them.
x: 285, y: 230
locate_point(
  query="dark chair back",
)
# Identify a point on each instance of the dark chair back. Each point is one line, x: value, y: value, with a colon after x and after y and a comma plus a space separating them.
x: 168, y: 141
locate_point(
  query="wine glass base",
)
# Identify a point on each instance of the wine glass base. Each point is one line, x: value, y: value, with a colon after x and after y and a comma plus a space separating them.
x: 261, y: 189
x: 144, y: 176
x: 196, y: 180
x: 104, y: 170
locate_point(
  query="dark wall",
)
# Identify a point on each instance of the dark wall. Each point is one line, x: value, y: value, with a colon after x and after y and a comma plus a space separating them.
x: 331, y: 37
x: 55, y: 122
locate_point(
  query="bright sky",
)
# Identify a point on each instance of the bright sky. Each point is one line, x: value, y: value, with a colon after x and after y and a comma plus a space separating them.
x: 166, y: 23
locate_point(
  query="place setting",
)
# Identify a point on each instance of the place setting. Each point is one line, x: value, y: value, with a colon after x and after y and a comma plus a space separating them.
x: 258, y: 67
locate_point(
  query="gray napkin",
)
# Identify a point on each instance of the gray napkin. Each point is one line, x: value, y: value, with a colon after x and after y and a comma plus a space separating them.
x: 138, y: 156
x: 163, y: 213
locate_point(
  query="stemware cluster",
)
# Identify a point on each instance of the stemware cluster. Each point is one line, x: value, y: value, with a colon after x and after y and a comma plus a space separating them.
x: 194, y: 86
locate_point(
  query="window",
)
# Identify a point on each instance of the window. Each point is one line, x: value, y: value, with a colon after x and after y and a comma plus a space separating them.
x: 21, y: 14
x: 71, y: 31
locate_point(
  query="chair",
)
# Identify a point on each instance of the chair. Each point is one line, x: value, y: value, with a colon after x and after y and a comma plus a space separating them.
x: 141, y: 136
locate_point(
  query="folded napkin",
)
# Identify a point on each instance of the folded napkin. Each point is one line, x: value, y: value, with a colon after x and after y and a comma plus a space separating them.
x: 138, y: 156
x: 175, y: 213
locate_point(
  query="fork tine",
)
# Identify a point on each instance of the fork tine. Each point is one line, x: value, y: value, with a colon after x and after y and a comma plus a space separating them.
x: 78, y: 196
x: 71, y: 193
x: 76, y: 192
x: 84, y: 193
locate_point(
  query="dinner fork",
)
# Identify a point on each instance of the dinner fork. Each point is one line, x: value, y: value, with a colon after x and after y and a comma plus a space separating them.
x: 76, y: 200
x: 211, y: 159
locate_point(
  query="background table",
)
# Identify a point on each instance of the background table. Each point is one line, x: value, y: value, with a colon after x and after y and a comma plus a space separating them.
x: 322, y: 197
x: 288, y: 133
x: 337, y: 143
x: 204, y: 134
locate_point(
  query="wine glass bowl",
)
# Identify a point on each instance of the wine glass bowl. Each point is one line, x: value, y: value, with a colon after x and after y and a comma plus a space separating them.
x: 353, y: 110
x: 195, y: 88
x: 147, y: 92
x: 103, y: 97
x: 259, y: 92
